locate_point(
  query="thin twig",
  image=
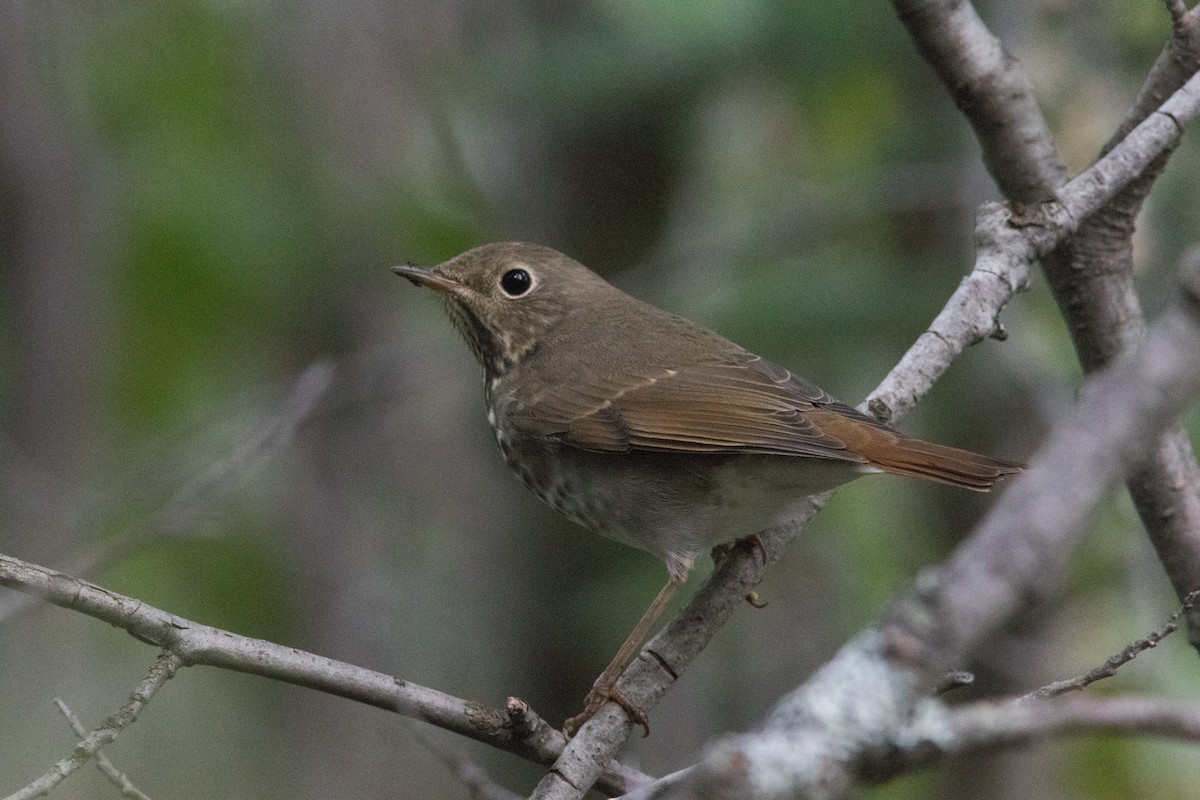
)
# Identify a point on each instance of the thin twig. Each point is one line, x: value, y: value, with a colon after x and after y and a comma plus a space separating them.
x: 956, y: 679
x: 114, y: 775
x: 1109, y: 667
x: 106, y: 732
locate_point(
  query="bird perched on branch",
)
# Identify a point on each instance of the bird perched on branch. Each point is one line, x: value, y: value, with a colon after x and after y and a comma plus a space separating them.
x: 653, y: 430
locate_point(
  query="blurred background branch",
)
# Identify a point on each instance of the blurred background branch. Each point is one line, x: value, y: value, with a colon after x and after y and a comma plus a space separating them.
x: 106, y: 732
x: 179, y: 512
x: 103, y: 763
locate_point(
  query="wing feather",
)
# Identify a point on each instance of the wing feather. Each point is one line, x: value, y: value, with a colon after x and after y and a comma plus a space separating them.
x: 743, y: 404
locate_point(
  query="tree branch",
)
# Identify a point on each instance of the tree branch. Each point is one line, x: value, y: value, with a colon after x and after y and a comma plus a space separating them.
x: 160, y: 672
x: 516, y: 730
x: 1115, y: 662
x: 844, y: 723
x: 936, y: 730
x: 1092, y: 280
x: 1015, y: 555
x: 1007, y: 246
x: 114, y: 775
x: 992, y: 92
x: 939, y: 731
x: 1091, y: 274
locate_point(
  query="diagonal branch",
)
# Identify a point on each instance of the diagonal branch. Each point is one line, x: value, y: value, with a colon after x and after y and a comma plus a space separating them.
x: 1007, y: 247
x: 1095, y: 287
x: 1093, y: 282
x: 991, y: 91
x: 846, y: 722
x: 114, y: 775
x: 1091, y: 274
x: 934, y: 730
x: 1014, y: 557
x: 160, y: 672
x: 1114, y: 662
x: 516, y: 730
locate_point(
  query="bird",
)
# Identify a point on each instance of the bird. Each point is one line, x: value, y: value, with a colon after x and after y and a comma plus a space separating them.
x: 653, y: 430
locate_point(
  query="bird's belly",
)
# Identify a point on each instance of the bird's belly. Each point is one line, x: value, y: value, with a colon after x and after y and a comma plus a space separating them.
x: 753, y: 493
x: 670, y: 504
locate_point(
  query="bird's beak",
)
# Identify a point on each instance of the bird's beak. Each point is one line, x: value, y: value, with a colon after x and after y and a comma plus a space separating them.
x: 428, y: 278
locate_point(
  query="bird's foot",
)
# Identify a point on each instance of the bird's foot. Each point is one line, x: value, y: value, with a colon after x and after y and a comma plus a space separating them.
x: 721, y: 551
x: 599, y: 695
x: 755, y: 542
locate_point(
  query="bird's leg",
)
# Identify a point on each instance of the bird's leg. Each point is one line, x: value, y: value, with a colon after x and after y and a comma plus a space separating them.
x: 605, y: 687
x: 721, y: 551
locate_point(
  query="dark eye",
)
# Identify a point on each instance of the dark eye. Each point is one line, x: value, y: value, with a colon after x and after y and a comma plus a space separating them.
x: 516, y: 282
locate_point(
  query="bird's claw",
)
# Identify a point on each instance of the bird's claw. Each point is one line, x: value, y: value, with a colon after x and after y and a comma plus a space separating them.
x: 595, y: 700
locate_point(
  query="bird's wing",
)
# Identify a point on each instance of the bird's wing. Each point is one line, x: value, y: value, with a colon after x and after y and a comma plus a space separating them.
x: 739, y: 404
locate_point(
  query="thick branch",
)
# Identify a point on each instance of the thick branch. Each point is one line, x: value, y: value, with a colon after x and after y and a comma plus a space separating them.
x: 1007, y: 244
x: 1006, y: 251
x: 845, y: 722
x: 193, y: 644
x: 1092, y: 280
x: 934, y: 730
x: 1015, y: 556
x: 1091, y: 274
x: 942, y: 731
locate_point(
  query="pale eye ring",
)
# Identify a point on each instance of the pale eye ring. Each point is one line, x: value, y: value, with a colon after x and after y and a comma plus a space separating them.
x: 516, y: 282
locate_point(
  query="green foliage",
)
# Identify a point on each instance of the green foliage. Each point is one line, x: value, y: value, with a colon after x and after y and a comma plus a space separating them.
x: 235, y: 582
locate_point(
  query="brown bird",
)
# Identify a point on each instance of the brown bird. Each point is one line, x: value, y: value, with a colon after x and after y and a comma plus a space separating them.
x: 653, y: 430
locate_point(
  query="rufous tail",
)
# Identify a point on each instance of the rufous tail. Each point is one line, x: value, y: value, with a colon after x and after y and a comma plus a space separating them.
x: 898, y: 454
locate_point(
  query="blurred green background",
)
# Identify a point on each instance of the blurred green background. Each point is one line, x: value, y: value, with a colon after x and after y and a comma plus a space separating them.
x: 198, y: 205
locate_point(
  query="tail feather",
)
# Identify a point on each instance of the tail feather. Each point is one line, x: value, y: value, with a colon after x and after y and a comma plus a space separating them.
x: 893, y: 452
x: 936, y: 462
